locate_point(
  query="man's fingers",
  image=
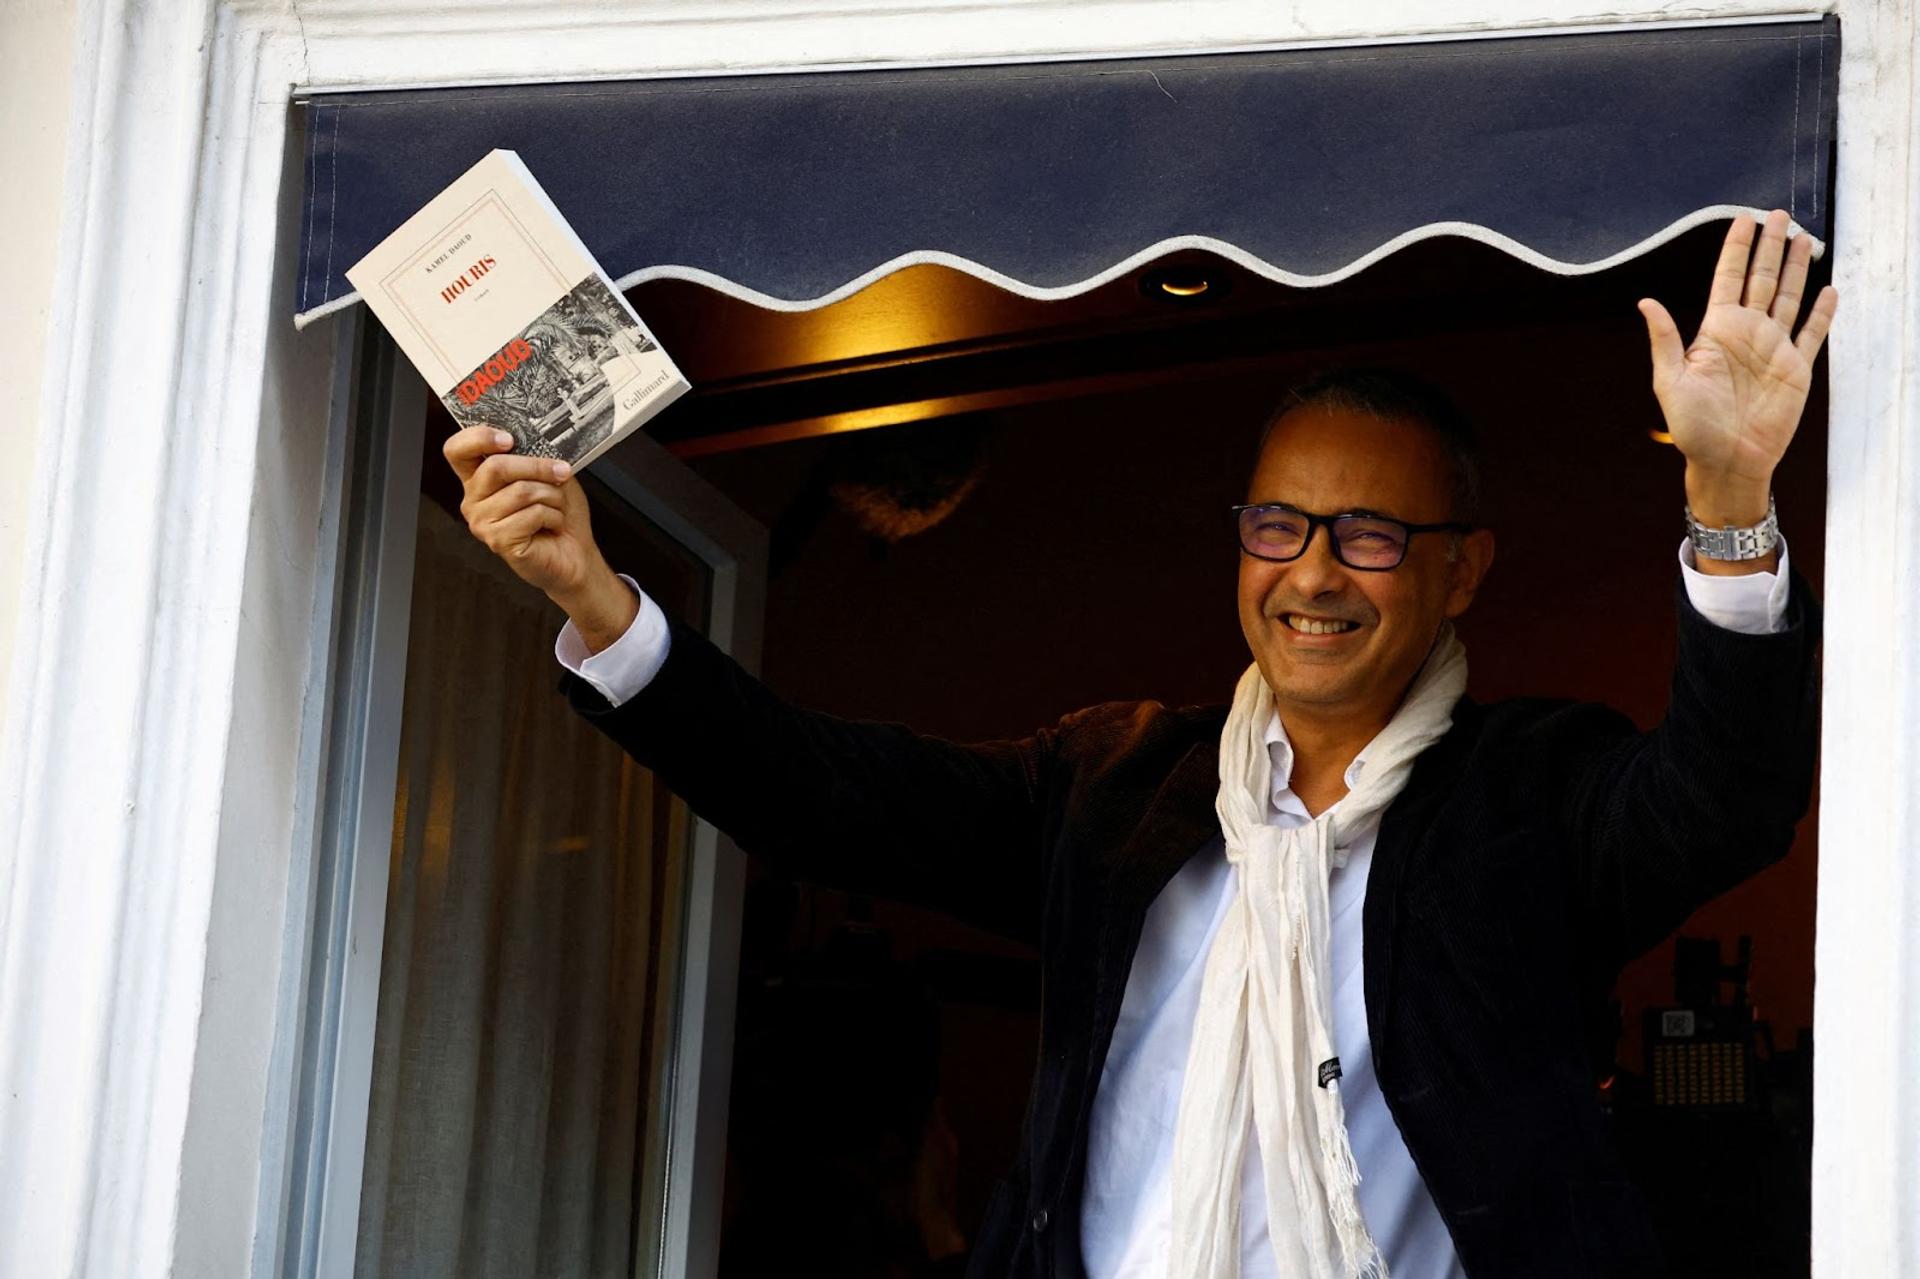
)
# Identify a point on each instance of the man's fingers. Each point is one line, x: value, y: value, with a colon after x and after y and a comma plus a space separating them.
x: 500, y: 470
x: 1763, y: 275
x: 1819, y: 320
x: 1793, y: 281
x: 1669, y: 352
x: 510, y: 500
x: 513, y: 535
x: 1730, y: 274
x: 468, y: 448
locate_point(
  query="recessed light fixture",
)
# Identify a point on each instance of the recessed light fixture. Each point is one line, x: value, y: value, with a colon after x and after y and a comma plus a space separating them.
x: 1184, y: 284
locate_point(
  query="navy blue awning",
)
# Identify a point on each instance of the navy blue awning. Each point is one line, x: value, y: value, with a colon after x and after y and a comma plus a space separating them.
x: 1571, y: 151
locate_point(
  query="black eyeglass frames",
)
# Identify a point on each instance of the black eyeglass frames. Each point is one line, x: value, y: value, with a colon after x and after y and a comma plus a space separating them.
x: 1370, y: 543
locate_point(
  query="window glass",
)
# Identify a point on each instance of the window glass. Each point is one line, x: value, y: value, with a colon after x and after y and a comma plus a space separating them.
x: 533, y: 932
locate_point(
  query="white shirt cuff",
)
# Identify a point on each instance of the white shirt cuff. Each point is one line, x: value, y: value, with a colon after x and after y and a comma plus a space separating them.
x: 1752, y: 603
x: 628, y: 664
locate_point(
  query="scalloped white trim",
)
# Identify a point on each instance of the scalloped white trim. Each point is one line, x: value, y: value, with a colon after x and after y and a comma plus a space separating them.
x: 1223, y: 248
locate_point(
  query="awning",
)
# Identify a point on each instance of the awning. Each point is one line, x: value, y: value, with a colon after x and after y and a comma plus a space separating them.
x: 1573, y: 152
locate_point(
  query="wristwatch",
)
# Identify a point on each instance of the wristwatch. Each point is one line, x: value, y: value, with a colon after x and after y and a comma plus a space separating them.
x: 1730, y: 543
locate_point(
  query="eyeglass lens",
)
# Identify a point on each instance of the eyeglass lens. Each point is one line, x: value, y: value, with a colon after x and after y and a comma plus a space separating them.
x: 1279, y: 534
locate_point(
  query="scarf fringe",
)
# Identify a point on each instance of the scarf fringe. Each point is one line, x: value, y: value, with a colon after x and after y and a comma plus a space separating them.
x: 1360, y: 1256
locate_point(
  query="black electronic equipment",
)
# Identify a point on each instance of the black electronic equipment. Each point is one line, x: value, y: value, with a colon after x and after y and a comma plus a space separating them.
x: 1701, y: 1053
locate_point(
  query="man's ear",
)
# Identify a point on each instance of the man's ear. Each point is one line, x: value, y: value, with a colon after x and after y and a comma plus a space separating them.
x: 1468, y: 569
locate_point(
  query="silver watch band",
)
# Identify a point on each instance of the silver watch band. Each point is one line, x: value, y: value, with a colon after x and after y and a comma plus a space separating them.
x: 1730, y: 543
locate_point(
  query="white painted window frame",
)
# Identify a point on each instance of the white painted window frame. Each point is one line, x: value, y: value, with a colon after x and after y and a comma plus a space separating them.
x: 158, y: 768
x: 310, y: 1191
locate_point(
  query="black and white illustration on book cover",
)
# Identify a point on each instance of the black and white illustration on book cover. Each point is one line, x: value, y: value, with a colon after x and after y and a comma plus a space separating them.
x: 565, y: 384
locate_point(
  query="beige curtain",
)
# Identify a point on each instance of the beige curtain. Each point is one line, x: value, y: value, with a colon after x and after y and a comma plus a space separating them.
x: 532, y: 914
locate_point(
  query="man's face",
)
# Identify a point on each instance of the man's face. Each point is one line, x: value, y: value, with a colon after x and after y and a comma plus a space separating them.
x: 1333, y: 461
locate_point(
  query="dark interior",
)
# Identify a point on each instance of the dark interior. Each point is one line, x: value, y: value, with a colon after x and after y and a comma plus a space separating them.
x: 988, y: 511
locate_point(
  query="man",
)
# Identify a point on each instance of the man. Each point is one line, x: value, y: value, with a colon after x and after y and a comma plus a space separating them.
x: 1318, y: 966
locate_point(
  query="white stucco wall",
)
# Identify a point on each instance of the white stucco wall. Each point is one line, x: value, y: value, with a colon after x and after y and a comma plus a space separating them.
x: 36, y: 79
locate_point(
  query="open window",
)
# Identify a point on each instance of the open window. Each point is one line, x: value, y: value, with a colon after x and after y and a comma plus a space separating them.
x: 1031, y: 518
x: 985, y: 350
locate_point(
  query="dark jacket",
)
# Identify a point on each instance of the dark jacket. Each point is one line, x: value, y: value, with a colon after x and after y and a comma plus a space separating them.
x: 1537, y: 847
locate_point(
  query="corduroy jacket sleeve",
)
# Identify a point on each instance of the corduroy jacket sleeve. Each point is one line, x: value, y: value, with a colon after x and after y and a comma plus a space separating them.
x: 870, y: 807
x: 1664, y: 821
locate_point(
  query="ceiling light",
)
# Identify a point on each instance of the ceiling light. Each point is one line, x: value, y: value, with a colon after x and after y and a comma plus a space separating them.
x: 1183, y: 284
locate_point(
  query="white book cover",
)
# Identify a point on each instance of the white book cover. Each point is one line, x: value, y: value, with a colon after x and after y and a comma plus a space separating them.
x: 511, y: 321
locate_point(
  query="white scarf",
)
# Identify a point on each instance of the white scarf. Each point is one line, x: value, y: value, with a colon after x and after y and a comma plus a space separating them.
x: 1262, y: 1055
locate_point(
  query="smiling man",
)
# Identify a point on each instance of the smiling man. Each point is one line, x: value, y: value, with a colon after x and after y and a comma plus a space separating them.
x: 1340, y: 634
x: 1318, y: 965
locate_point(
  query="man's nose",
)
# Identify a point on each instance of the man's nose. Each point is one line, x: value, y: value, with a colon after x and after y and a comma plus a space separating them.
x: 1318, y: 571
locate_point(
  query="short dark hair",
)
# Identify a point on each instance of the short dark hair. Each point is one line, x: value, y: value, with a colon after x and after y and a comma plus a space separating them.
x: 1395, y: 396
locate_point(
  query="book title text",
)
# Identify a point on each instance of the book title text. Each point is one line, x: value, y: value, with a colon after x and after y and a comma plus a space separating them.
x: 468, y: 277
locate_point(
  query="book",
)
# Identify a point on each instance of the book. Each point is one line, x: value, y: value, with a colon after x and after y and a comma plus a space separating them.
x: 510, y: 320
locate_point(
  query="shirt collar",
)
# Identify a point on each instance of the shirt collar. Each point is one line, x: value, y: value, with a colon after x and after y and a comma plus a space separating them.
x: 1281, y: 752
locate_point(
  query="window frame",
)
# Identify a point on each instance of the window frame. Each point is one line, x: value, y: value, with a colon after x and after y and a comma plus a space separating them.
x: 150, y: 989
x: 378, y: 415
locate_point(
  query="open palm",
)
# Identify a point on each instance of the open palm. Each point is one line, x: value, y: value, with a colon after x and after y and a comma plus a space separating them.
x: 1733, y: 398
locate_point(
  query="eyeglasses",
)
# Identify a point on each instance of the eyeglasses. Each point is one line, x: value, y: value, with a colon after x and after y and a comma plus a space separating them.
x: 1370, y: 543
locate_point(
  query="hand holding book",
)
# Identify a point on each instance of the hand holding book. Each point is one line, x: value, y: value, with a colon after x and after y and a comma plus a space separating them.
x: 539, y: 359
x: 532, y: 514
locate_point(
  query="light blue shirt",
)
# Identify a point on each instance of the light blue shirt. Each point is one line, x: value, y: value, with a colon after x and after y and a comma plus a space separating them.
x: 1127, y: 1203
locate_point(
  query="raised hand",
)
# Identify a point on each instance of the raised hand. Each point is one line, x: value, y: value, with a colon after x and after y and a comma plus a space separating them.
x: 1733, y: 399
x: 532, y: 514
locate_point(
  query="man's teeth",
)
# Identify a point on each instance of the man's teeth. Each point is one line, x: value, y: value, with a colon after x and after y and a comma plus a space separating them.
x: 1314, y: 626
